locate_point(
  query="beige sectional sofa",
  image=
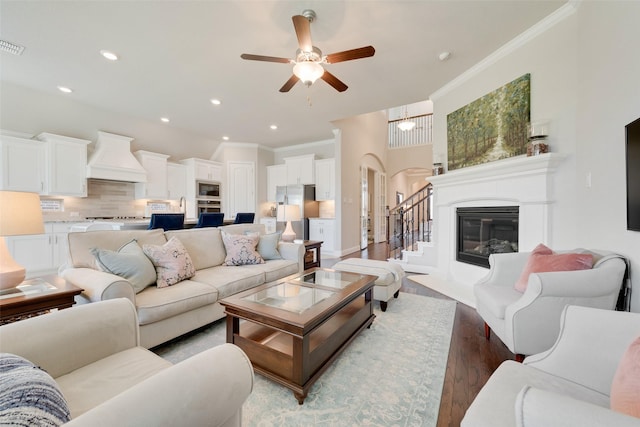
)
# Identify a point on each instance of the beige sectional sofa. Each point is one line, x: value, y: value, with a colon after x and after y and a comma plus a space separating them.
x: 166, y: 313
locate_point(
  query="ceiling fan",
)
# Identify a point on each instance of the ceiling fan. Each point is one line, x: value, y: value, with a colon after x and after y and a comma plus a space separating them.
x: 309, y: 59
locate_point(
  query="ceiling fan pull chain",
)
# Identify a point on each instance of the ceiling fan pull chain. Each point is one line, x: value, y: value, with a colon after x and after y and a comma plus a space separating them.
x: 309, y: 101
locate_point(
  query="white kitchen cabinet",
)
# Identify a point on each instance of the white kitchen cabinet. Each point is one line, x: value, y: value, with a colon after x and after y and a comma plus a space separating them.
x: 325, y: 179
x: 324, y: 230
x: 204, y: 170
x: 269, y: 224
x: 41, y: 254
x: 156, y: 166
x: 176, y: 181
x: 300, y: 169
x: 23, y: 165
x: 276, y: 176
x: 241, y: 183
x: 66, y: 165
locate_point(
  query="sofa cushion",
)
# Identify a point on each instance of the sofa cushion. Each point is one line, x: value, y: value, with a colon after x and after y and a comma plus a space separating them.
x: 275, y: 269
x: 229, y: 280
x: 204, y: 245
x: 129, y: 262
x: 97, y: 382
x: 155, y: 304
x: 495, y: 298
x: 172, y: 261
x: 241, y: 249
x: 28, y: 395
x: 542, y: 259
x: 625, y: 388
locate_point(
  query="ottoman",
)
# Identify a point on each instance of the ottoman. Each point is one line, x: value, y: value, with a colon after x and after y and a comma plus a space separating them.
x: 389, y: 276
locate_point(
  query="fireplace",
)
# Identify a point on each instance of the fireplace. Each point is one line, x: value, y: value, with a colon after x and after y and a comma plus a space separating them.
x: 483, y: 231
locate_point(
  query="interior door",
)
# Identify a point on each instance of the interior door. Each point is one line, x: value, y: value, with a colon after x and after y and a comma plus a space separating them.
x: 380, y: 208
x: 242, y: 188
x: 364, y: 207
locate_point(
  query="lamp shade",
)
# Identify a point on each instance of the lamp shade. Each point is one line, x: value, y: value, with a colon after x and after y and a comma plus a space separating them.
x: 288, y: 213
x: 20, y: 214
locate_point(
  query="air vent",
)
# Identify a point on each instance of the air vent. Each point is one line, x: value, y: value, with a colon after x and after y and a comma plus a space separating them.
x: 6, y: 46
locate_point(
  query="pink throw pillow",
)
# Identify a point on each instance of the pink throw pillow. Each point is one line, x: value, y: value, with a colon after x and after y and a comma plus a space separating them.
x: 172, y: 261
x: 625, y: 388
x: 241, y: 249
x: 542, y: 259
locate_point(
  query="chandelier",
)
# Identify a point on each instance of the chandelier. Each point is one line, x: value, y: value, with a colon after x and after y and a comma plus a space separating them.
x: 406, y: 124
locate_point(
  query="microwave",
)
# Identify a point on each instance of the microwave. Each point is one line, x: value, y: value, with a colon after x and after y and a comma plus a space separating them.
x: 207, y: 190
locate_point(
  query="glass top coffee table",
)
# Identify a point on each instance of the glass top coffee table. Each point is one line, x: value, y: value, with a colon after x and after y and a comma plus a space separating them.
x: 293, y: 328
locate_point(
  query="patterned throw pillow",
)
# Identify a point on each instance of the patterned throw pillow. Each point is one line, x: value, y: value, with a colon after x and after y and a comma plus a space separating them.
x: 129, y: 262
x: 241, y: 249
x: 173, y: 263
x: 28, y: 395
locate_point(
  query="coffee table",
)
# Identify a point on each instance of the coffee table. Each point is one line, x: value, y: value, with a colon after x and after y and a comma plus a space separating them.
x: 294, y: 328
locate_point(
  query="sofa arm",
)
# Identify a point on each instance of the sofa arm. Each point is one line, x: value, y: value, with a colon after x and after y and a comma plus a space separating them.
x: 99, y: 285
x: 589, y: 347
x: 292, y: 251
x: 541, y: 408
x: 505, y: 269
x: 206, y: 389
x: 69, y: 339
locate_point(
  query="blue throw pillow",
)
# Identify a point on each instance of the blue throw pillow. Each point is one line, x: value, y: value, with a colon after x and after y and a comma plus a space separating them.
x: 268, y: 245
x: 28, y: 395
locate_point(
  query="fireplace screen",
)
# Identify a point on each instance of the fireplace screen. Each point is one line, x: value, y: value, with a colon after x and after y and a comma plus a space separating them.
x: 484, y: 231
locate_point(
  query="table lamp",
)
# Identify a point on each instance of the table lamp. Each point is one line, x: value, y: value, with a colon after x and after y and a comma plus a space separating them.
x: 288, y: 213
x: 20, y: 214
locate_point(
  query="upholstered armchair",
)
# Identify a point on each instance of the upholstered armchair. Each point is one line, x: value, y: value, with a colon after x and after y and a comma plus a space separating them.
x: 528, y: 322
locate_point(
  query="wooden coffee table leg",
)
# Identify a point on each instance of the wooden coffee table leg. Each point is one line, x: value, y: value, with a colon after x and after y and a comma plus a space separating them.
x: 300, y: 397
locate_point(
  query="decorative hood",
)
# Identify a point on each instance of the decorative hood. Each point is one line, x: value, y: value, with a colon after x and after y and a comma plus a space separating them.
x: 112, y: 160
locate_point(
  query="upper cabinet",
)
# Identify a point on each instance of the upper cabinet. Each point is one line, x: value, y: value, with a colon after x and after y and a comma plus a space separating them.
x: 203, y: 170
x: 156, y: 166
x: 276, y: 176
x: 300, y: 169
x: 66, y: 160
x: 176, y: 181
x: 23, y: 164
x: 325, y: 179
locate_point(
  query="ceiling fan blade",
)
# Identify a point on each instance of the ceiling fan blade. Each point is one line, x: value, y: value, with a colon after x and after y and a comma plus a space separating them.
x: 348, y: 55
x: 264, y: 58
x: 289, y: 84
x: 303, y: 31
x: 334, y: 81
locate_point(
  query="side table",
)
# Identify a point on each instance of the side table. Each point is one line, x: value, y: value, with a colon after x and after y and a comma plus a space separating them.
x: 312, y: 253
x: 36, y: 296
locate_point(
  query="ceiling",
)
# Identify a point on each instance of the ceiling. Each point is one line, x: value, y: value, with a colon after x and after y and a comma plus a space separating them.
x: 175, y: 56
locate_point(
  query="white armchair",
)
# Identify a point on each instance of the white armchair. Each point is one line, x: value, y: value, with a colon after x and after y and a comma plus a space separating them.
x: 568, y: 385
x: 528, y: 323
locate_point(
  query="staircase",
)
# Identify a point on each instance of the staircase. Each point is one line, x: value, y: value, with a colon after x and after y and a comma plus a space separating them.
x: 409, y: 228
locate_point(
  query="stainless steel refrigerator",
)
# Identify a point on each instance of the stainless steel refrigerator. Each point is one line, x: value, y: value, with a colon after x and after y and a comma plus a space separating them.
x: 305, y: 197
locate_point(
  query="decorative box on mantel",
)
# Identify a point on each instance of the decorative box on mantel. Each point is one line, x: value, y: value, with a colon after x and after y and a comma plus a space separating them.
x: 521, y: 181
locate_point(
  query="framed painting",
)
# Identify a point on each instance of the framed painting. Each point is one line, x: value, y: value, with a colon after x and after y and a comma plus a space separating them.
x: 492, y: 127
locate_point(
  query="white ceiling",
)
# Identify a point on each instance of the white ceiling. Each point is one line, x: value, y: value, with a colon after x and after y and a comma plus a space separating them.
x: 177, y: 55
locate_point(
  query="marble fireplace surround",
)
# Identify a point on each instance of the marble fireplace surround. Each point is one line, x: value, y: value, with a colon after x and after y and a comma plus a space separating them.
x: 526, y: 182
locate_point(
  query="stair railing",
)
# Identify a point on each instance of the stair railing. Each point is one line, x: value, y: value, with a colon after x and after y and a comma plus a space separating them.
x: 410, y: 222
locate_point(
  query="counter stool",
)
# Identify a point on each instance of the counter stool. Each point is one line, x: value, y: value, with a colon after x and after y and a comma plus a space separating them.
x: 389, y: 276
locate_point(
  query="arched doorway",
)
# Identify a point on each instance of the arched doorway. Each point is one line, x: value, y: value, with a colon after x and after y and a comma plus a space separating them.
x: 373, y: 201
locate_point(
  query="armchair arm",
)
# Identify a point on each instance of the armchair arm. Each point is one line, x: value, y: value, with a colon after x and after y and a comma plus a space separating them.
x: 292, y: 251
x: 99, y: 285
x: 69, y: 339
x: 505, y: 269
x: 206, y: 389
x: 541, y: 408
x: 589, y: 347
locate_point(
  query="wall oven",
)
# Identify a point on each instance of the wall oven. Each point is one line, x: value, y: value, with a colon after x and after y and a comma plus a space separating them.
x: 208, y: 206
x: 207, y: 190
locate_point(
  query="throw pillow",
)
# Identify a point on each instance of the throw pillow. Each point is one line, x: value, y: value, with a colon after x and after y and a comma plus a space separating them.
x: 625, y: 388
x: 542, y: 259
x: 129, y: 262
x: 241, y: 249
x: 29, y: 396
x: 173, y: 263
x: 267, y: 245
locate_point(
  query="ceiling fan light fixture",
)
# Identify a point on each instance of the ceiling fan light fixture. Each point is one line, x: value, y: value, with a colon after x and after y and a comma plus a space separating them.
x: 308, y: 71
x: 406, y: 125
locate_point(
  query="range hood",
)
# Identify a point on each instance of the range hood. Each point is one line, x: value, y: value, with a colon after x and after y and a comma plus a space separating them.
x: 112, y: 160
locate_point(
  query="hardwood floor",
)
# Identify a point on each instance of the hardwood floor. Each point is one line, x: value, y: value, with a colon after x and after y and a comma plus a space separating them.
x: 472, y: 358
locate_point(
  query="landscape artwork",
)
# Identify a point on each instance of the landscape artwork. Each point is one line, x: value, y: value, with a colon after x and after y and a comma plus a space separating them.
x: 490, y: 128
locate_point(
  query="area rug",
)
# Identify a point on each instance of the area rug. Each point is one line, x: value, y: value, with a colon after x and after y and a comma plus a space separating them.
x: 390, y: 375
x: 457, y: 291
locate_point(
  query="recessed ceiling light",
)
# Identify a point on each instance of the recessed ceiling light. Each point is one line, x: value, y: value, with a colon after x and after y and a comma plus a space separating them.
x: 109, y: 55
x: 226, y: 138
x: 444, y: 56
x: 216, y: 102
x: 273, y: 127
x: 64, y: 89
x: 164, y: 119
